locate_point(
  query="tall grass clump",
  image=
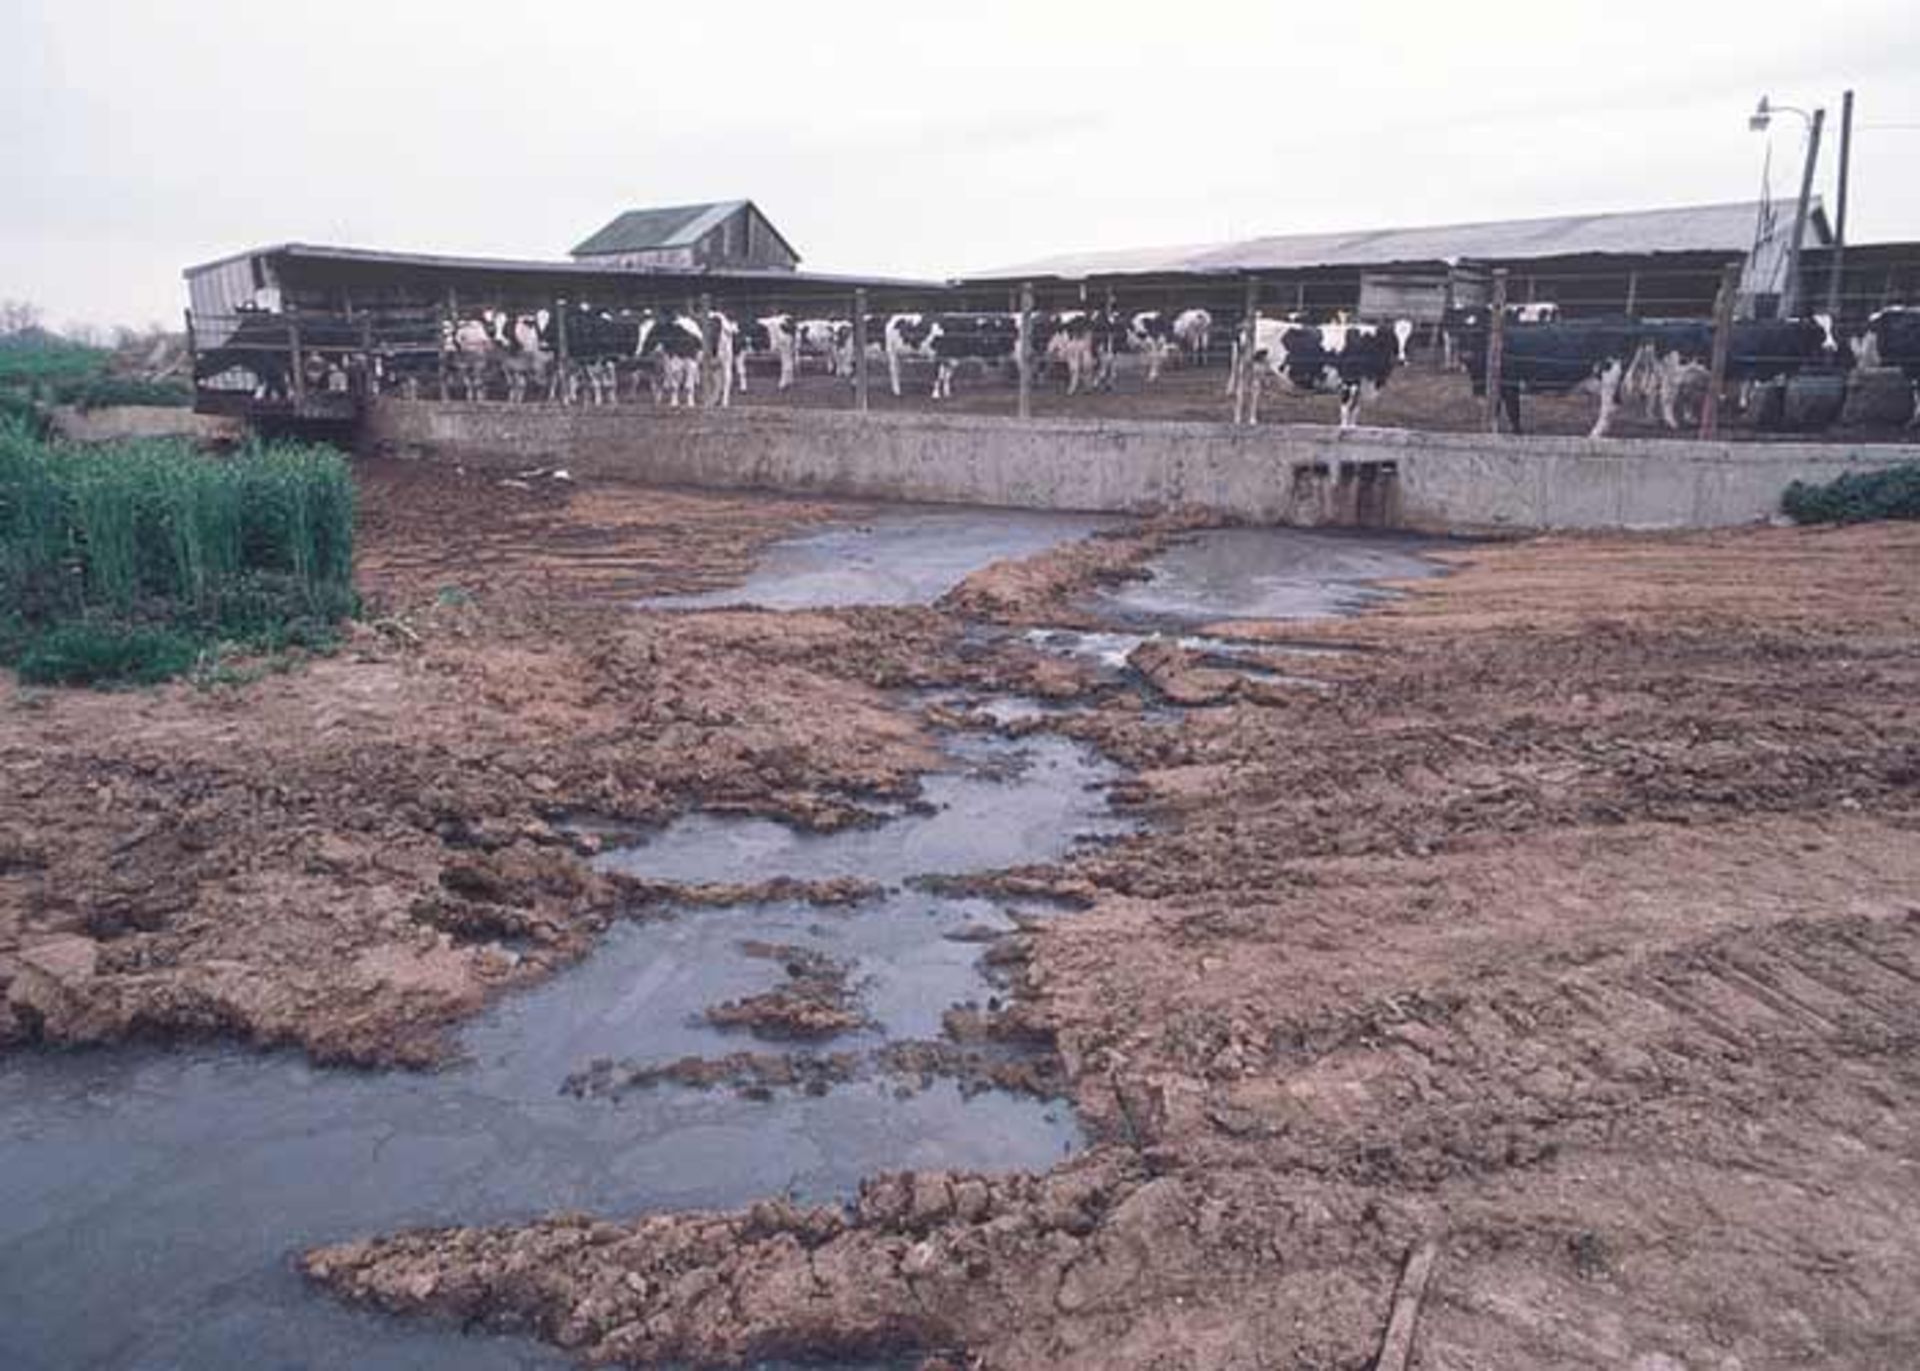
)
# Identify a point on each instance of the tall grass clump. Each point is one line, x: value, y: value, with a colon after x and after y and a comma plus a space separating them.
x: 112, y: 557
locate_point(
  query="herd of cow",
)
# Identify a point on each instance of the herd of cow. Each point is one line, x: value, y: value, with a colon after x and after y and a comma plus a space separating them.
x: 584, y: 354
x: 1657, y: 361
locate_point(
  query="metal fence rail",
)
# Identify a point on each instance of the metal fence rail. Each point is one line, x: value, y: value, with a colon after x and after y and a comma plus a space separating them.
x: 1103, y: 347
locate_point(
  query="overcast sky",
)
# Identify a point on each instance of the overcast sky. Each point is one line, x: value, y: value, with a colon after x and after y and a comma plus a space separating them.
x: 912, y: 138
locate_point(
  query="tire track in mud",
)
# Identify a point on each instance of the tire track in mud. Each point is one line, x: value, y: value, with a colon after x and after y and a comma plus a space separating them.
x: 1419, y: 1088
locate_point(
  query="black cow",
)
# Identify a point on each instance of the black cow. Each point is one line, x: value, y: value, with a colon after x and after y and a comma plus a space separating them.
x: 1660, y: 355
x: 1675, y: 352
x: 1892, y: 339
x: 1553, y: 359
x: 599, y: 342
x: 1455, y: 320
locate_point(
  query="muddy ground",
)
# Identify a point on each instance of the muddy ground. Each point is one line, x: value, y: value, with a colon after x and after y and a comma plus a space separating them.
x: 1575, y: 932
x: 351, y: 854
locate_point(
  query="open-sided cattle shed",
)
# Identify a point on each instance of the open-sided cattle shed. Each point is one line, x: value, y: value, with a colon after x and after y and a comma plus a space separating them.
x: 316, y: 279
x: 361, y: 300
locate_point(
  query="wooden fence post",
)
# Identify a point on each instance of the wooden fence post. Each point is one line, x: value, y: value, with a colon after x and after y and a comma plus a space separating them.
x: 193, y: 354
x: 295, y: 361
x: 1633, y: 292
x: 1496, y: 346
x: 1243, y: 374
x: 1722, y: 347
x: 709, y: 392
x: 446, y: 339
x: 860, y: 392
x: 559, y: 387
x: 1024, y: 345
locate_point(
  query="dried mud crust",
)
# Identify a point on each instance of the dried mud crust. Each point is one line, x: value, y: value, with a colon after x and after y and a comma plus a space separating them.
x: 1578, y: 929
x: 350, y: 856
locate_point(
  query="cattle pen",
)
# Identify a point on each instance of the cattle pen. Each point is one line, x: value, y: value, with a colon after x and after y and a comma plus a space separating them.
x: 1665, y: 317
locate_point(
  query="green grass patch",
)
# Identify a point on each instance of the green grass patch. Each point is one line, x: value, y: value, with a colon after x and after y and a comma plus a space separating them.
x: 105, y: 654
x: 113, y: 556
x: 1856, y: 497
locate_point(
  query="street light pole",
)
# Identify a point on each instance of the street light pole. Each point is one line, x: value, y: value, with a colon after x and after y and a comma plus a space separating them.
x: 1790, y: 297
x: 1838, y: 265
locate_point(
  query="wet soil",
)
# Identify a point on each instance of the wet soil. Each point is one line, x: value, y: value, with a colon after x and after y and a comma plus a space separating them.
x: 352, y: 855
x: 1574, y: 928
x: 1564, y: 913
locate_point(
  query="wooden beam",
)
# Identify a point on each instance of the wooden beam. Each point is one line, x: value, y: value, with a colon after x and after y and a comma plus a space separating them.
x: 1024, y: 347
x: 1496, y: 346
x: 1722, y: 348
x: 299, y: 371
x: 709, y: 391
x: 860, y: 392
x: 1396, y: 1347
x: 1243, y: 359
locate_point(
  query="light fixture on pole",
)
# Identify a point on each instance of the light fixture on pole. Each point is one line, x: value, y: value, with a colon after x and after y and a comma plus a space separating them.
x: 1758, y: 121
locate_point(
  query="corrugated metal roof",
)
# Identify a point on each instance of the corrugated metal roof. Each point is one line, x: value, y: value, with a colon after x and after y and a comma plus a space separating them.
x: 670, y: 226
x: 1697, y: 228
x: 433, y: 261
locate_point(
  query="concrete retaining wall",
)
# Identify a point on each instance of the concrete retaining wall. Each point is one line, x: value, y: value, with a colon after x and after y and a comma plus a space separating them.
x: 1440, y: 482
x: 142, y: 421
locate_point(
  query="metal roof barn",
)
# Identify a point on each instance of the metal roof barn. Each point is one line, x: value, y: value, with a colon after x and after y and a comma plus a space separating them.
x: 721, y: 233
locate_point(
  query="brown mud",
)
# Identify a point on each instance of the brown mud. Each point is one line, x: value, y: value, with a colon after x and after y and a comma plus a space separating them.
x: 1577, y: 931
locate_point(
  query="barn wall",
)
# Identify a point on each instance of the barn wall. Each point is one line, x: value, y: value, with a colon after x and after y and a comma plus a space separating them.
x: 1458, y: 483
x: 216, y: 293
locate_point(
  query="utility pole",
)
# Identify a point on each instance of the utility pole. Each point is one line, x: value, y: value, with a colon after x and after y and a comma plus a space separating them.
x: 1838, y: 264
x: 1790, y: 296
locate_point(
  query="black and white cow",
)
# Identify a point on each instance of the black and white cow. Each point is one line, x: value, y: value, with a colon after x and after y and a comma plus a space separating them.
x: 843, y: 348
x: 468, y: 346
x: 1193, y: 331
x: 524, y: 345
x: 773, y: 335
x: 1079, y: 340
x: 1353, y: 360
x: 599, y: 342
x: 669, y: 348
x: 1154, y: 334
x: 989, y: 341
x: 816, y: 339
x: 1892, y: 339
